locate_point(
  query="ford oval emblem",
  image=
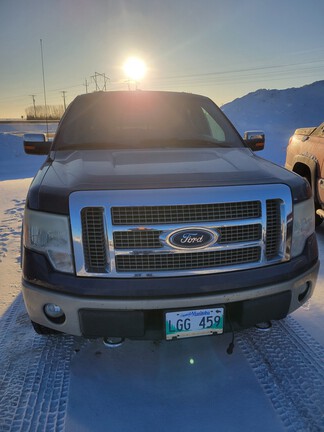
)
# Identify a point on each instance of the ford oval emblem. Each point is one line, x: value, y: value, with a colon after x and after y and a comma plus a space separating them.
x: 192, y: 238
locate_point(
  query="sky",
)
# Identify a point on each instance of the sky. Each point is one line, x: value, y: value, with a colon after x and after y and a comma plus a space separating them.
x: 220, y: 48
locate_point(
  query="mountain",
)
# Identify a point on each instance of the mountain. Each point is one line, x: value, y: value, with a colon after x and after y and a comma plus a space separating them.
x: 278, y: 113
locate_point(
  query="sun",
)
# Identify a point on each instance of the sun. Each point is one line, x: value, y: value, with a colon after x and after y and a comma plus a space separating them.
x: 134, y: 68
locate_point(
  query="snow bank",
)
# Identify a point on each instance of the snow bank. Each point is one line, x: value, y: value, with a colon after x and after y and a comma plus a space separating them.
x: 278, y: 113
x: 14, y: 163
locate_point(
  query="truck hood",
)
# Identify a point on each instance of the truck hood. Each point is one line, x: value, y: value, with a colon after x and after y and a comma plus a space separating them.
x: 141, y: 169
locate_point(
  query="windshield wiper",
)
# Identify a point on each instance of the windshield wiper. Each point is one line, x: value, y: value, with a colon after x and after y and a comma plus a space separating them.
x: 90, y: 146
x: 168, y: 143
x: 201, y: 142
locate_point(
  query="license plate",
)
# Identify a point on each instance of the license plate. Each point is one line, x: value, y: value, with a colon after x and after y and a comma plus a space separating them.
x: 191, y: 323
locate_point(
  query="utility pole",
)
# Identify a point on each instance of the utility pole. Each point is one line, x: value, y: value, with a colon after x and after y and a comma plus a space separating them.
x: 95, y: 79
x: 63, y: 95
x: 106, y: 79
x: 33, y: 96
x: 86, y: 85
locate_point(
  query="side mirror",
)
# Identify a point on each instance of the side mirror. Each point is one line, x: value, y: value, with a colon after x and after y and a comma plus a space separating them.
x: 254, y: 140
x: 36, y: 144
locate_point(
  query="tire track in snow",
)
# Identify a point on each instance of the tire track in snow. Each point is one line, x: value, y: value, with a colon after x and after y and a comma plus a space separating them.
x: 10, y: 227
x: 34, y: 375
x: 289, y: 365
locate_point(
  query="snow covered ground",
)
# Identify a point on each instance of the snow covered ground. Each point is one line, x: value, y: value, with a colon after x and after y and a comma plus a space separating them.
x: 274, y: 381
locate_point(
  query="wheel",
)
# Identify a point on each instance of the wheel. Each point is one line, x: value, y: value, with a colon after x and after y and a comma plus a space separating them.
x: 42, y: 330
x: 318, y: 219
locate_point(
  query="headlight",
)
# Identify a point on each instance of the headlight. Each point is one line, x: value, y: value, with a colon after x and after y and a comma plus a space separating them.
x: 303, y: 225
x: 49, y: 234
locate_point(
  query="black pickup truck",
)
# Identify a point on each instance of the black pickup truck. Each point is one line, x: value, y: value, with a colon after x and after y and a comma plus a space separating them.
x: 152, y: 218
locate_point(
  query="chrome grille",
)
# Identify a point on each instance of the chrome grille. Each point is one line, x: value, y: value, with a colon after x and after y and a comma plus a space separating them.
x: 186, y: 261
x: 185, y: 213
x: 114, y: 237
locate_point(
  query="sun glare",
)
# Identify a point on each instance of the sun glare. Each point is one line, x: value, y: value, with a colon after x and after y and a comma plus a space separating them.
x: 134, y: 68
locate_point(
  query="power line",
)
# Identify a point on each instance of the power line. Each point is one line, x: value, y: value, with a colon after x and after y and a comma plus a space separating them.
x: 235, y: 71
x: 271, y: 72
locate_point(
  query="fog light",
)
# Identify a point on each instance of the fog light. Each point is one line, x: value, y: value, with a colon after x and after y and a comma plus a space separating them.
x: 54, y: 313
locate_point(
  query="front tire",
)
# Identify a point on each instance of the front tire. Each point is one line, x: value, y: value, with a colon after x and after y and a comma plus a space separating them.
x: 318, y: 219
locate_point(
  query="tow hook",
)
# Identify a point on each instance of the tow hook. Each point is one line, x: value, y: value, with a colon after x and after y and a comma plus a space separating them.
x: 264, y: 326
x: 113, y: 342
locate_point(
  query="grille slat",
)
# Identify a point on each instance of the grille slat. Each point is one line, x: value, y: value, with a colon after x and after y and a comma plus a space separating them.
x: 240, y: 233
x: 149, y: 239
x: 185, y: 213
x: 93, y: 238
x: 137, y: 239
x: 186, y: 261
x: 273, y: 229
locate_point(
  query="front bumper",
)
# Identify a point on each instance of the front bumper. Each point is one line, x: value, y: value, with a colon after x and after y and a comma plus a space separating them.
x: 142, y: 318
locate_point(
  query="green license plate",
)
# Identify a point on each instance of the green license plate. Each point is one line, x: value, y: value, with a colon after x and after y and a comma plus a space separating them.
x: 192, y: 323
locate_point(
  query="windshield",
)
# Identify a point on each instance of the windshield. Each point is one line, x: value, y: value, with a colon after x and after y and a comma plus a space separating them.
x: 144, y: 119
